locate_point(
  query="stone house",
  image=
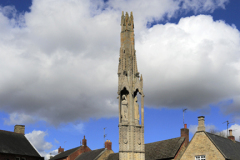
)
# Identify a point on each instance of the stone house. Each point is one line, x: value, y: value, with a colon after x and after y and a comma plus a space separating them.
x: 15, y: 146
x: 208, y: 146
x: 83, y: 152
x: 171, y: 149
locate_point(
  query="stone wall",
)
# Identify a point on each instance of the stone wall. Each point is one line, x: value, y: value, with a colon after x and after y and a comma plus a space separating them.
x: 105, y: 155
x: 201, y: 145
x: 180, y: 152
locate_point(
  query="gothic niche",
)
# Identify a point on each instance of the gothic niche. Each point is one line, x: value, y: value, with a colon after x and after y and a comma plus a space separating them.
x: 124, y: 105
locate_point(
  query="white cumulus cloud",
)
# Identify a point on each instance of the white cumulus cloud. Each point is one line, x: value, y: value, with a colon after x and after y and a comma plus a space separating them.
x: 59, y: 61
x: 208, y: 127
x: 19, y: 118
x: 193, y: 63
x: 37, y: 139
x: 52, y: 153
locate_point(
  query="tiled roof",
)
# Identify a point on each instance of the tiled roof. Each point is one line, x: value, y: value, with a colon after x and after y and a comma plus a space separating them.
x: 91, y: 155
x: 229, y: 148
x: 163, y: 149
x: 65, y: 154
x: 16, y: 143
x: 158, y: 150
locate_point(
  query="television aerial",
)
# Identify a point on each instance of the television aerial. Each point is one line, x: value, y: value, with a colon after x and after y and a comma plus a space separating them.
x: 184, y: 110
x: 227, y: 125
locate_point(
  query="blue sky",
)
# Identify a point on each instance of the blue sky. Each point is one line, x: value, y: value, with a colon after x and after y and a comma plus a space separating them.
x: 59, y: 63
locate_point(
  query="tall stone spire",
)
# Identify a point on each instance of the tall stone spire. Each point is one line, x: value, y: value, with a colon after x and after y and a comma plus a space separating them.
x: 131, y: 129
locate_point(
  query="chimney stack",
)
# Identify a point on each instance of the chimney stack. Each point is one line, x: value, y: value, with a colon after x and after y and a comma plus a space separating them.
x: 19, y: 129
x: 84, y: 142
x: 185, y: 134
x: 108, y: 145
x: 230, y: 135
x: 201, y: 125
x: 60, y: 150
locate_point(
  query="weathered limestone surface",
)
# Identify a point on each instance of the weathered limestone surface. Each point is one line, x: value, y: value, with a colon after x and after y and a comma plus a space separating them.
x: 131, y: 131
x: 201, y: 145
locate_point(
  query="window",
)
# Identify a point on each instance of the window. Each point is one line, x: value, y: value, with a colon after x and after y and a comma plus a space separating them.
x: 202, y: 157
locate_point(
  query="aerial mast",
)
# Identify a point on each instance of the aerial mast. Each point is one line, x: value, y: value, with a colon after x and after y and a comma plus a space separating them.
x: 227, y: 125
x: 184, y: 110
x: 104, y: 136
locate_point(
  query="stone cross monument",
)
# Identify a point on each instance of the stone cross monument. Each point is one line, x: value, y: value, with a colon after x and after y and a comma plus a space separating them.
x: 131, y: 129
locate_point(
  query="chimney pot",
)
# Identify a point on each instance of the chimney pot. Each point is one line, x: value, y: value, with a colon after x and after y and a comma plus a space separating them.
x: 108, y: 145
x: 84, y: 141
x: 60, y: 150
x: 230, y: 132
x: 19, y: 129
x: 201, y: 125
x: 185, y: 134
x: 231, y: 135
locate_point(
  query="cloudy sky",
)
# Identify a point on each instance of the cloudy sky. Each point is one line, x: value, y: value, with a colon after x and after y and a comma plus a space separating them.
x: 59, y: 59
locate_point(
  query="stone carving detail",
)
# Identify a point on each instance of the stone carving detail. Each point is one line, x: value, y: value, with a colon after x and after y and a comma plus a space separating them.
x: 124, y: 135
x: 136, y: 108
x: 138, y: 137
x: 124, y: 108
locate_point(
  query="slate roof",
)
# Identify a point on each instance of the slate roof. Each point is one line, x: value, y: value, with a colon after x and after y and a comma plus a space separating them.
x: 16, y: 143
x: 229, y: 148
x: 91, y: 155
x: 163, y: 149
x: 166, y: 149
x: 65, y: 153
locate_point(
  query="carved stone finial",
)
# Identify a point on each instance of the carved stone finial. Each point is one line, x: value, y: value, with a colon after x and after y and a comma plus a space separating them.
x: 131, y: 17
x: 126, y: 17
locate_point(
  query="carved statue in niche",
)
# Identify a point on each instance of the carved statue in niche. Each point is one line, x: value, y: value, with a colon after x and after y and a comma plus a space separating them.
x: 124, y: 108
x: 136, y: 108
